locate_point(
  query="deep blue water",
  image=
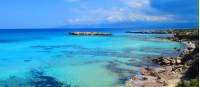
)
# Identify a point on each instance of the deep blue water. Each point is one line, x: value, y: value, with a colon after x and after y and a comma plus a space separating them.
x: 57, y: 59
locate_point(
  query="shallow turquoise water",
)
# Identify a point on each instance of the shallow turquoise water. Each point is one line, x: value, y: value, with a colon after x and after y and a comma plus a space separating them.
x: 83, y: 61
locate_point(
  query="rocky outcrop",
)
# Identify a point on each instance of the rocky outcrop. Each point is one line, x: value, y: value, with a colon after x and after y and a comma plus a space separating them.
x: 91, y: 33
x: 152, y: 84
x: 150, y: 77
x: 167, y: 61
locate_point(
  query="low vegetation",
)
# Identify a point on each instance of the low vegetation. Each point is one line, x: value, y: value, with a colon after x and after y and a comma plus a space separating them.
x: 192, y: 83
x: 191, y: 76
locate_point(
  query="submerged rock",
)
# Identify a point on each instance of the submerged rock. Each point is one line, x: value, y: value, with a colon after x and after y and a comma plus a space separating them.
x: 46, y: 81
x: 41, y: 80
x: 34, y: 78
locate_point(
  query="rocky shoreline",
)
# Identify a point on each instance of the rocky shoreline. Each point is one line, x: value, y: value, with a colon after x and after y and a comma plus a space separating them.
x: 171, y: 70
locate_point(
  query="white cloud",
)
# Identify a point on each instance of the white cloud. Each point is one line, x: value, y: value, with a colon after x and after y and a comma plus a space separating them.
x: 136, y: 10
x: 137, y: 4
x: 127, y: 15
x: 132, y: 10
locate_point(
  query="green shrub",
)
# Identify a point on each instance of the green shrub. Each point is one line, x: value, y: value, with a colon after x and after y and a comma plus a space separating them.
x: 192, y: 83
x: 183, y: 84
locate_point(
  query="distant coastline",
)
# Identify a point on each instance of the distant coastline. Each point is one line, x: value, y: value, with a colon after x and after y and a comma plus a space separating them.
x: 91, y: 33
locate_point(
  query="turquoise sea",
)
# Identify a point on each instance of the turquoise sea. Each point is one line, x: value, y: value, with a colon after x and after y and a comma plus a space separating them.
x: 52, y: 58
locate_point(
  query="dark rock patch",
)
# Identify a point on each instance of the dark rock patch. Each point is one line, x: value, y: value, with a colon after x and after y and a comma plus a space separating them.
x: 124, y: 74
x: 3, y: 59
x: 27, y: 60
x: 41, y: 80
x: 9, y: 40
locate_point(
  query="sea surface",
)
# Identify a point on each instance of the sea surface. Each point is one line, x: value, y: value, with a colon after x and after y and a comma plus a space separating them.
x: 52, y: 58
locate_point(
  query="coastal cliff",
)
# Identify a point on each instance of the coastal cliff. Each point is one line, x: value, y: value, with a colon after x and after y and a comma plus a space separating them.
x: 182, y: 71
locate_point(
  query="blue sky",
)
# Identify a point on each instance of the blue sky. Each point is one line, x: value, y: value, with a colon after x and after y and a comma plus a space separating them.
x: 98, y: 13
